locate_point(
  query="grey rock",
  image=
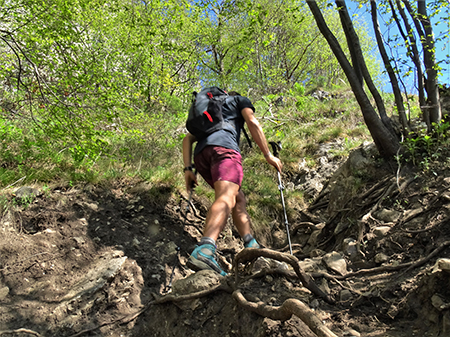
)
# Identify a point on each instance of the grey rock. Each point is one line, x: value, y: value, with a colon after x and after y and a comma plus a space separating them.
x: 335, y: 262
x: 26, y: 192
x: 381, y: 231
x: 381, y: 258
x: 3, y: 293
x: 345, y: 295
x: 387, y: 215
x: 201, y: 280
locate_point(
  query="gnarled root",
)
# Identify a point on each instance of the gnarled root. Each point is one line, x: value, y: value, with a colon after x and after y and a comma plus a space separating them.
x: 250, y: 254
x: 285, y: 311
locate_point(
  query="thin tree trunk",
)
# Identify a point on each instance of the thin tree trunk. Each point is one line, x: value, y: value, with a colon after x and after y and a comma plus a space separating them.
x: 390, y: 70
x: 354, y: 44
x: 430, y: 64
x: 413, y: 52
x: 387, y: 144
x: 421, y: 20
x: 352, y: 39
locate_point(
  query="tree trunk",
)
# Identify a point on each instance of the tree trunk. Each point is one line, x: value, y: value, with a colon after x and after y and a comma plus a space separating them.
x: 413, y: 52
x: 354, y: 44
x: 352, y: 39
x: 430, y: 64
x: 386, y: 142
x: 390, y: 70
x: 421, y: 20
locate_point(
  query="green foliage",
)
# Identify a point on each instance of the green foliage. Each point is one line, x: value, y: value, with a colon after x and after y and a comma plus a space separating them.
x: 330, y: 134
x: 92, y: 90
x: 297, y: 90
x: 422, y: 148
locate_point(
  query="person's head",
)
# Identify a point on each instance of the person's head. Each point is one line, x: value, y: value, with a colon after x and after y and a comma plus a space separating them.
x: 234, y: 93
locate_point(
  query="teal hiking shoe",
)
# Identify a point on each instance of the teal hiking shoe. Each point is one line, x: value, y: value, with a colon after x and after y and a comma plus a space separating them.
x: 204, y: 257
x: 252, y: 244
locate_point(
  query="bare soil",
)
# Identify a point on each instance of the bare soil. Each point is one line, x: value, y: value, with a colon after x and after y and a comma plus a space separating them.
x: 91, y: 260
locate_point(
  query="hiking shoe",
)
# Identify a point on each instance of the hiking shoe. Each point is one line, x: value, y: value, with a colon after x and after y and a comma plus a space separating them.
x: 252, y: 244
x: 203, y: 257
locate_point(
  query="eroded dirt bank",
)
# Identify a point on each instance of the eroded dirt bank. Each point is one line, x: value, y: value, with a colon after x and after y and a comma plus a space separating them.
x: 92, y: 260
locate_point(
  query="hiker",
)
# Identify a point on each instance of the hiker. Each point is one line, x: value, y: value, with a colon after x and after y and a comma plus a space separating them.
x: 218, y: 160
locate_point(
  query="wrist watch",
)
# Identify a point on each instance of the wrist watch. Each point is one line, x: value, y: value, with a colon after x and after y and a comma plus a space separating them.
x: 188, y: 168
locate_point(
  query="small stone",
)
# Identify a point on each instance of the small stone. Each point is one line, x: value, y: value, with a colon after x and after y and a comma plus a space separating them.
x: 437, y: 302
x: 26, y: 193
x: 268, y: 279
x: 345, y: 295
x: 336, y: 262
x: 349, y: 247
x: 381, y: 231
x: 314, y: 303
x: 442, y: 264
x: 316, y: 253
x: 3, y: 293
x: 135, y: 242
x: 381, y: 258
x: 388, y: 215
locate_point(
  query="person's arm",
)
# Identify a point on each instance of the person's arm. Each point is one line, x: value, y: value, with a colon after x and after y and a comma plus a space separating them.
x: 189, y: 176
x: 258, y: 136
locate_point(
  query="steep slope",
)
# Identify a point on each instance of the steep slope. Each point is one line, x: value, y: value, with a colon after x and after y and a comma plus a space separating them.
x: 97, y: 260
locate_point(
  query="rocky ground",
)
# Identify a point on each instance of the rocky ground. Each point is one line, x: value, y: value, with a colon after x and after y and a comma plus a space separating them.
x: 109, y: 260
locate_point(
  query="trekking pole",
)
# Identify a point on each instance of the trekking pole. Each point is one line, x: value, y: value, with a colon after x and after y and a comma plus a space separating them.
x: 168, y: 288
x: 275, y: 148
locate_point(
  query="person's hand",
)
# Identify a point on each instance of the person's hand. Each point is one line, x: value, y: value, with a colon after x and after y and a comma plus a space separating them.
x: 190, y: 179
x: 275, y: 162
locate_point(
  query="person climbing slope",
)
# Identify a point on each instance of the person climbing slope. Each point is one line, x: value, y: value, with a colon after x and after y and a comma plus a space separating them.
x: 218, y: 160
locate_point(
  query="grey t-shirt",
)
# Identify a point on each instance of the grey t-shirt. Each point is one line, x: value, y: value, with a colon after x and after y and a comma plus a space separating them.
x: 232, y: 113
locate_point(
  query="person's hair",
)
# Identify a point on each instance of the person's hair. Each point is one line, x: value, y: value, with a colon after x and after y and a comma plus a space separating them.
x: 234, y: 93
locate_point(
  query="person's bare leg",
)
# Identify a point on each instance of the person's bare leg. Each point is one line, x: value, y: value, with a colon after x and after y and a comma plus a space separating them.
x: 225, y: 200
x: 240, y: 216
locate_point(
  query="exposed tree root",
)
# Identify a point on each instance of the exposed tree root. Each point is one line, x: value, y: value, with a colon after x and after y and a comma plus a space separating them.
x: 11, y: 332
x: 289, y: 274
x: 250, y: 254
x: 285, y: 311
x: 430, y: 226
x: 178, y: 298
x: 382, y: 269
x: 159, y: 300
x: 296, y: 248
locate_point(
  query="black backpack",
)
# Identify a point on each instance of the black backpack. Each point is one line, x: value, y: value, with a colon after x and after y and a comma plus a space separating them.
x: 205, y: 114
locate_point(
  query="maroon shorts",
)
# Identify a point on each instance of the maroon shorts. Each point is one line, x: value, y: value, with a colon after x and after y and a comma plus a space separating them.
x: 217, y: 163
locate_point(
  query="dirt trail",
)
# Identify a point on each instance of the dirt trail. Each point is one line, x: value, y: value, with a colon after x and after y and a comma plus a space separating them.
x: 74, y: 259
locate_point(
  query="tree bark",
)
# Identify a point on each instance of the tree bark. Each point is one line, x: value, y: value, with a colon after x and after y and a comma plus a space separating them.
x: 354, y: 44
x: 421, y: 20
x: 386, y: 142
x: 413, y: 52
x: 390, y: 70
